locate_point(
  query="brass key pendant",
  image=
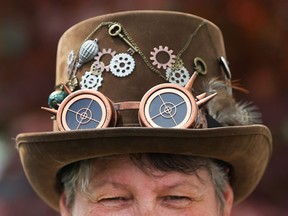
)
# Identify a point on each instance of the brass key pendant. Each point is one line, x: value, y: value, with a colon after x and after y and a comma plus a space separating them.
x: 115, y: 30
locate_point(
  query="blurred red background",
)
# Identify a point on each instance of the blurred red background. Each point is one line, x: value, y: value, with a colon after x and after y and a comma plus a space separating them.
x: 256, y: 39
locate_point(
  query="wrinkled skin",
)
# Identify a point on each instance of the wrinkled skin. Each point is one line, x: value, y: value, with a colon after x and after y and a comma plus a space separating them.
x: 122, y: 189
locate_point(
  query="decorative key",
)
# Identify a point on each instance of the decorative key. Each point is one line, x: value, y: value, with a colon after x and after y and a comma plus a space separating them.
x: 115, y: 30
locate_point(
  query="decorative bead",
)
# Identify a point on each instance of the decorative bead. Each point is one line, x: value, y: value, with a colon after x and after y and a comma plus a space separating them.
x: 55, y: 98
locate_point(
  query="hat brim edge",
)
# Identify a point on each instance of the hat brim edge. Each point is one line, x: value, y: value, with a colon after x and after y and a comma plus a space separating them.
x: 247, y: 148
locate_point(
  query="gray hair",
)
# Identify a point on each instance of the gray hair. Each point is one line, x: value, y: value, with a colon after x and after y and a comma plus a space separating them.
x: 77, y: 175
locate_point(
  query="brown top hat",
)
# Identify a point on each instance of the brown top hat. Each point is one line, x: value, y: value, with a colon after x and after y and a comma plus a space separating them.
x: 147, y: 83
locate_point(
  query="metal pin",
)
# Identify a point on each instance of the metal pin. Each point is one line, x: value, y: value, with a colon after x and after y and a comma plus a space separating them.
x: 206, y: 99
x: 225, y: 64
x: 201, y: 96
x: 53, y: 111
x: 189, y: 85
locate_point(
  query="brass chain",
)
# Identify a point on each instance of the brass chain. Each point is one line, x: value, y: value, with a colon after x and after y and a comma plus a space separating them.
x: 190, y: 39
x: 178, y: 63
x: 97, y: 29
x: 139, y: 51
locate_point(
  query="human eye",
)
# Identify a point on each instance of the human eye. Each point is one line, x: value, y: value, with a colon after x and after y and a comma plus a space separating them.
x: 115, y: 201
x: 176, y: 201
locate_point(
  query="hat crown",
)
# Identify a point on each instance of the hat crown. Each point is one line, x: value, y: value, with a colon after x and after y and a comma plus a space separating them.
x: 159, y: 39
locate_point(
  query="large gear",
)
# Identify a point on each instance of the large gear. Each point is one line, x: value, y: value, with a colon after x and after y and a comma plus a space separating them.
x: 122, y: 65
x: 180, y: 76
x: 156, y: 52
x: 99, y: 64
x: 91, y: 81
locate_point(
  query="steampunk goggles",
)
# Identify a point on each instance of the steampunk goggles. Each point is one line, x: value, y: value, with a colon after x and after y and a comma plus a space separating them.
x: 165, y: 105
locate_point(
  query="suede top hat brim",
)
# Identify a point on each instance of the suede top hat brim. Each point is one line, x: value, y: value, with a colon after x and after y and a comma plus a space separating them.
x: 245, y: 147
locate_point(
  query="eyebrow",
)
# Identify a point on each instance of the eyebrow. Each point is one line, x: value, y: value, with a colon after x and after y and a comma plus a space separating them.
x: 116, y: 184
x: 178, y: 184
x: 107, y: 183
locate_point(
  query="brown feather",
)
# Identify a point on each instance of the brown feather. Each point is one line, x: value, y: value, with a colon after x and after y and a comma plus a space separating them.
x: 224, y: 107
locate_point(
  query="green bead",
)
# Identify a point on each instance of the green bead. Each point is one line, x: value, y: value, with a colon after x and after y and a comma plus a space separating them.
x: 56, y: 98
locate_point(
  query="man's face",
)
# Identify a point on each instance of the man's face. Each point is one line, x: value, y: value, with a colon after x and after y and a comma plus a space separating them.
x: 118, y: 187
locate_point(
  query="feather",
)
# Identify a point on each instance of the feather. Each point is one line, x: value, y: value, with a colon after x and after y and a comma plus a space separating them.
x: 224, y: 107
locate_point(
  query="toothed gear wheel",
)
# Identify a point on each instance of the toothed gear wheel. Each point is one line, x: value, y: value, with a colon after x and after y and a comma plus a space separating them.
x: 69, y: 62
x: 122, y: 65
x: 91, y: 81
x: 156, y: 51
x: 71, y: 57
x: 100, y: 55
x: 180, y: 76
x: 96, y: 69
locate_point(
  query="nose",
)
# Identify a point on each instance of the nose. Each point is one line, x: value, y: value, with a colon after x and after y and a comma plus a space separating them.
x: 146, y: 208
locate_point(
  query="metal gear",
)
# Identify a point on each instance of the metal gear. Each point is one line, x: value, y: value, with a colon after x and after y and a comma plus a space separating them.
x: 156, y: 51
x: 70, y: 58
x: 122, y: 65
x: 180, y: 76
x: 96, y: 69
x: 69, y: 62
x: 98, y: 63
x: 91, y: 81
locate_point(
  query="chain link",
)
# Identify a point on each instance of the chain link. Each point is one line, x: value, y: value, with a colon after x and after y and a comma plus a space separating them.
x: 178, y: 63
x: 139, y: 51
x: 190, y: 39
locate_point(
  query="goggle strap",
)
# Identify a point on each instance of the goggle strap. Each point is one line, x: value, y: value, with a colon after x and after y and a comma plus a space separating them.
x: 127, y: 105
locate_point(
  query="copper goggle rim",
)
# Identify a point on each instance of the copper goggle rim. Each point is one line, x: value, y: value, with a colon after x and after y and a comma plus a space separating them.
x: 191, y: 115
x: 109, y: 108
x: 104, y: 103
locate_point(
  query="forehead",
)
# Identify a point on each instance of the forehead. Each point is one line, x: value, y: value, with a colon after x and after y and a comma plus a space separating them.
x: 148, y: 162
x: 123, y: 167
